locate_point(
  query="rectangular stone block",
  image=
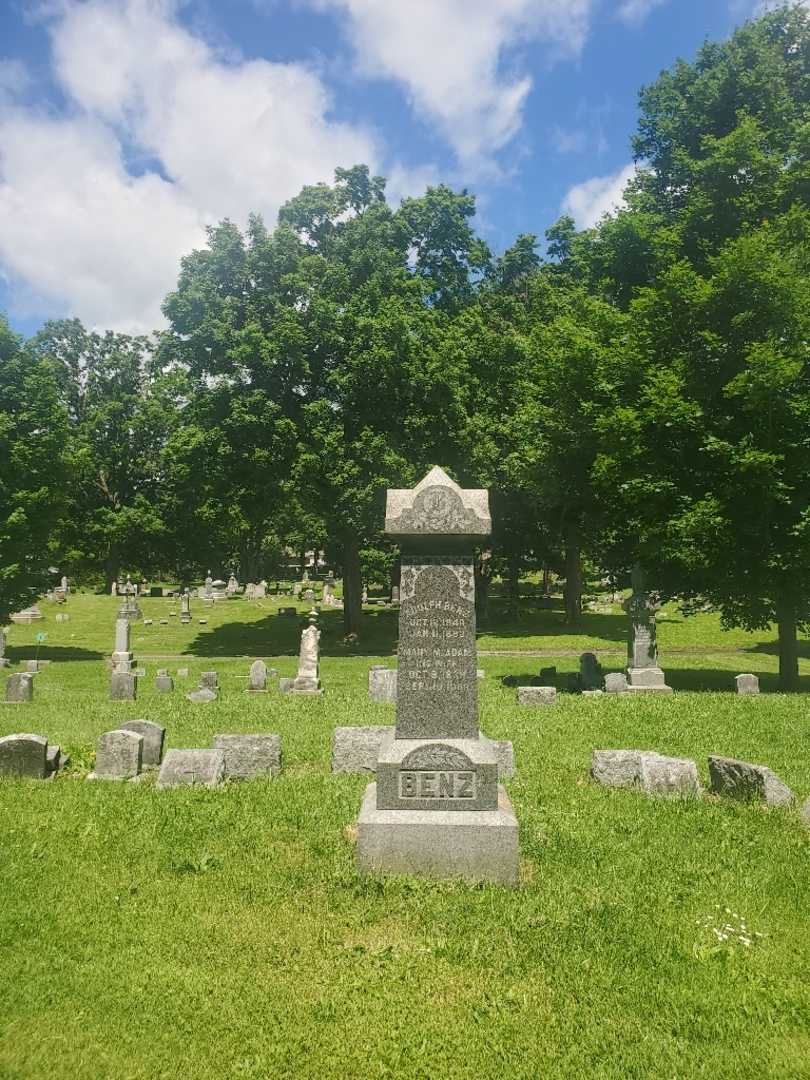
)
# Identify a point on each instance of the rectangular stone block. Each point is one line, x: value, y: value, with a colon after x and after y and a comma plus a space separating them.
x: 20, y: 688
x: 747, y: 782
x: 210, y: 680
x: 24, y: 755
x: 187, y: 767
x: 666, y: 777
x: 118, y: 755
x: 747, y: 684
x: 537, y: 695
x: 650, y: 680
x: 356, y: 749
x: 249, y: 756
x: 447, y: 775
x: 618, y: 768
x: 164, y: 684
x: 382, y: 684
x: 615, y: 682
x: 153, y: 736
x: 477, y: 845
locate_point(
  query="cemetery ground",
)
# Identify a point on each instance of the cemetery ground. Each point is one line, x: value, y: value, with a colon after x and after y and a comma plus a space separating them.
x: 226, y: 933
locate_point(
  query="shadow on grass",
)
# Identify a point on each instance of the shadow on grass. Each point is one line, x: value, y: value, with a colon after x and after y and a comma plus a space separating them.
x: 771, y: 648
x: 17, y: 654
x: 280, y: 635
x: 535, y: 621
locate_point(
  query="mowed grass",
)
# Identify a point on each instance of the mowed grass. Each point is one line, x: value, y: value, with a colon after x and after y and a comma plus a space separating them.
x: 225, y: 933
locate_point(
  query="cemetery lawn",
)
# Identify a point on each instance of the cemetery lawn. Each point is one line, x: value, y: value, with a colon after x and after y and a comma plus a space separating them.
x: 225, y: 933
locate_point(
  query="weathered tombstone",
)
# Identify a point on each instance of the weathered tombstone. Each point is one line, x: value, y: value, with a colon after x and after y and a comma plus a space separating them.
x: 20, y: 688
x: 308, y: 679
x: 308, y: 596
x: 29, y: 615
x: 747, y: 684
x: 537, y: 695
x: 364, y: 596
x: 260, y: 591
x: 164, y: 684
x: 4, y: 661
x: 202, y: 696
x: 118, y: 755
x: 24, y: 755
x: 590, y: 671
x: 32, y: 667
x: 615, y: 682
x: 382, y: 684
x: 210, y: 679
x: 249, y: 756
x: 184, y: 767
x: 257, y: 680
x: 65, y: 585
x: 208, y: 591
x: 643, y: 673
x: 114, y: 589
x: 130, y: 609
x: 667, y: 777
x: 747, y: 782
x: 153, y: 736
x: 182, y: 673
x: 233, y: 586
x: 356, y: 750
x: 618, y: 768
x: 285, y: 685
x: 122, y: 657
x: 185, y: 607
x: 395, y: 594
x: 123, y: 686
x: 437, y: 807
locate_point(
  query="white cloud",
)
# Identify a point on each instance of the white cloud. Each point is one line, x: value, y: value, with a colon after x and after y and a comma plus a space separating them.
x: 450, y: 55
x: 636, y: 11
x: 588, y: 202
x: 221, y: 138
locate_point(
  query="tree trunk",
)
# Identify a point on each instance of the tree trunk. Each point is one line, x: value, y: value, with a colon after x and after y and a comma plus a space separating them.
x: 573, y: 577
x: 513, y: 584
x: 112, y: 569
x: 546, y: 581
x: 303, y: 561
x: 788, y: 648
x: 483, y: 580
x: 352, y: 586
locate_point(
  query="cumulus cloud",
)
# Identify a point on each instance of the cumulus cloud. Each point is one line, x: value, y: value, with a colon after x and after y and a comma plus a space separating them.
x: 635, y: 12
x: 451, y: 56
x: 587, y: 203
x: 214, y: 137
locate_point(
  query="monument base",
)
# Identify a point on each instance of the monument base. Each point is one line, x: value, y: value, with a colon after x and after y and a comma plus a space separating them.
x: 477, y: 845
x: 646, y: 681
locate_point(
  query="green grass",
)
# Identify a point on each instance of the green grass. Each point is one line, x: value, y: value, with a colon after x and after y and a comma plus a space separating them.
x: 225, y: 933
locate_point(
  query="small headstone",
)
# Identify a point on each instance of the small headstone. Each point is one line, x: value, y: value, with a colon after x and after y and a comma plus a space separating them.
x: 669, y: 777
x: 593, y: 693
x: 618, y: 768
x: 210, y: 679
x: 201, y: 696
x: 32, y: 666
x: 23, y: 755
x: 747, y: 684
x: 537, y: 695
x: 308, y: 679
x: 182, y: 673
x: 118, y: 755
x: 139, y: 672
x: 382, y: 684
x: 183, y: 767
x: 62, y: 617
x: 356, y: 749
x: 164, y: 684
x: 590, y: 671
x: 4, y: 661
x: 249, y: 756
x: 123, y: 686
x: 748, y: 782
x: 20, y: 688
x: 153, y: 736
x: 615, y: 682
x: 309, y: 596
x: 258, y: 677
x: 285, y: 685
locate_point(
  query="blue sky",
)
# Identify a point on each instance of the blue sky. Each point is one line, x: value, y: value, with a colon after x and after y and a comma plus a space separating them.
x: 126, y: 126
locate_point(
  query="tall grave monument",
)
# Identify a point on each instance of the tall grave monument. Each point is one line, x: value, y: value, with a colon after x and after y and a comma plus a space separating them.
x: 643, y: 673
x: 436, y: 808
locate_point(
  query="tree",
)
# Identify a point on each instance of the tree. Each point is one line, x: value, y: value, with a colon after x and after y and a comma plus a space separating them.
x: 33, y: 431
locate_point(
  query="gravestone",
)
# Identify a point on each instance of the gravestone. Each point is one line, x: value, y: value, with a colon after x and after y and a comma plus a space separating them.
x: 747, y: 782
x: 308, y: 679
x: 208, y: 590
x: 185, y: 607
x: 356, y: 750
x: 258, y: 678
x: 643, y: 673
x: 233, y: 586
x: 249, y: 756
x: 210, y: 680
x: 537, y: 695
x: 619, y: 768
x: 33, y: 667
x: 164, y: 683
x: 118, y: 755
x: 20, y: 688
x: 123, y: 686
x: 382, y: 684
x: 260, y: 591
x: 669, y: 778
x: 308, y: 596
x: 29, y: 615
x: 4, y: 661
x: 182, y: 673
x: 747, y: 684
x: 615, y: 682
x: 590, y: 672
x: 181, y: 768
x: 122, y: 657
x: 153, y: 736
x: 24, y: 755
x: 202, y: 696
x: 437, y: 808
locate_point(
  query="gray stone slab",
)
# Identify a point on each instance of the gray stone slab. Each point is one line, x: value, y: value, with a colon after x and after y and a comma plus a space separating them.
x: 202, y: 696
x: 153, y: 736
x: 747, y: 684
x: 210, y: 679
x: 123, y: 686
x: 647, y: 680
x: 55, y: 760
x: 437, y: 507
x: 285, y: 685
x: 250, y: 756
x: 747, y: 782
x: 667, y: 777
x: 20, y: 688
x: 455, y: 775
x: 258, y: 677
x: 593, y: 693
x: 474, y: 845
x: 356, y: 749
x: 537, y: 695
x: 615, y: 682
x: 24, y: 754
x: 118, y: 755
x: 618, y: 768
x: 181, y: 768
x: 382, y: 684
x: 164, y: 684
x: 505, y: 755
x: 182, y: 673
